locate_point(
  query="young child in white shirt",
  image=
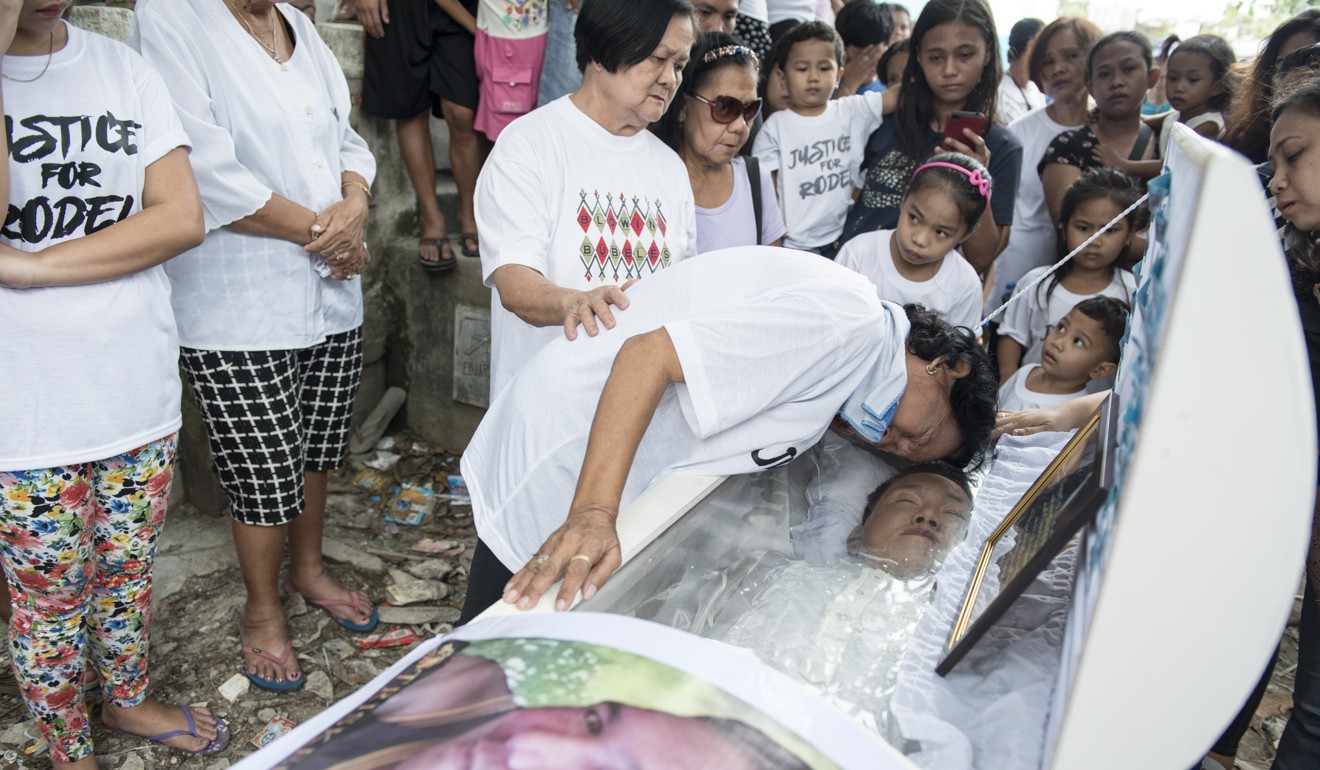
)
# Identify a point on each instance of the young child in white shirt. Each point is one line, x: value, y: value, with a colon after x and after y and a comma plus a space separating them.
x: 1082, y: 346
x: 1098, y: 196
x: 814, y: 148
x: 918, y: 262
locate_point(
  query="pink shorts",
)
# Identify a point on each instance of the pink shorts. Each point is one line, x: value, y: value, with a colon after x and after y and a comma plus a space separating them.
x: 509, y: 72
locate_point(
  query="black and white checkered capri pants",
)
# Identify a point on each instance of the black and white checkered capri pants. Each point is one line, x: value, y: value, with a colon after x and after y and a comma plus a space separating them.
x: 273, y: 415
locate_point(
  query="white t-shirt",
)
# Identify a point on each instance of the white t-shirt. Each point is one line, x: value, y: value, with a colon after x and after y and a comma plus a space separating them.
x: 1171, y: 117
x: 1028, y: 319
x: 954, y: 292
x: 755, y: 9
x: 1014, y: 102
x: 772, y: 343
x: 512, y: 20
x: 1015, y: 396
x: 89, y: 371
x: 581, y: 206
x: 1032, y: 242
x: 733, y: 222
x: 819, y: 162
x: 258, y: 128
x: 783, y: 10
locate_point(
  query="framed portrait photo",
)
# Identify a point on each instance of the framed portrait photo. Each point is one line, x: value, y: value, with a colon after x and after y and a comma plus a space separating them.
x: 1061, y: 501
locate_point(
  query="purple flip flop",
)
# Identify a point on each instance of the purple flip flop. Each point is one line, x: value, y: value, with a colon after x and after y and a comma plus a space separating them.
x: 214, y: 747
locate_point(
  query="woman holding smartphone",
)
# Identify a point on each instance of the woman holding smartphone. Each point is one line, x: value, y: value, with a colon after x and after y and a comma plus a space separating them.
x: 953, y: 67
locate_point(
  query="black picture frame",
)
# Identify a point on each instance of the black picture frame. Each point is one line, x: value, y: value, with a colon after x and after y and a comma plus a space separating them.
x: 1059, y: 503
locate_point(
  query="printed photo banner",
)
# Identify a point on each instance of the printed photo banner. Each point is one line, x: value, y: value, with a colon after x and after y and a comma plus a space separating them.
x: 578, y: 690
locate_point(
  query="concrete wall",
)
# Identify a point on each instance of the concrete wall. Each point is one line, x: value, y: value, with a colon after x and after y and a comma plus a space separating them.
x: 410, y: 327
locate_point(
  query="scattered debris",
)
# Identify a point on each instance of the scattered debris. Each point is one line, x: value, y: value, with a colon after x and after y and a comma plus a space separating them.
x: 321, y: 623
x: 339, y: 649
x: 358, y: 672
x: 409, y: 504
x: 421, y: 469
x: 344, y: 554
x: 19, y: 733
x: 235, y: 687
x: 35, y: 746
x: 431, y: 569
x: 458, y: 491
x: 1272, y: 728
x: 441, y: 547
x: 406, y: 589
x: 414, y: 616
x: 427, y: 545
x: 371, y: 480
x: 273, y: 730
x: 398, y: 637
x: 382, y: 461
x: 295, y: 605
x: 369, y: 433
x: 318, y: 683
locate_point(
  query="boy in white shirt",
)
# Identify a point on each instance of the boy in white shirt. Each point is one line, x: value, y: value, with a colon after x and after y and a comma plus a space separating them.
x: 814, y: 148
x: 1082, y: 346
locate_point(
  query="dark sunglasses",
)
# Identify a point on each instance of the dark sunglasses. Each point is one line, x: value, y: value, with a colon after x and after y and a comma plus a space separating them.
x: 726, y: 109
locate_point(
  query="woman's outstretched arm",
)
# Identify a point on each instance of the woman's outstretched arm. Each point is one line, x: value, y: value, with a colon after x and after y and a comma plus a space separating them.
x: 585, y: 550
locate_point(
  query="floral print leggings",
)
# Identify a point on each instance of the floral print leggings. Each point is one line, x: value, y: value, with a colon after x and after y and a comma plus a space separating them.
x: 77, y: 543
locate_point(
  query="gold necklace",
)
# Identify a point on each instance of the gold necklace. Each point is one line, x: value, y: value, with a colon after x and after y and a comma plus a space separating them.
x: 49, y: 55
x: 270, y: 49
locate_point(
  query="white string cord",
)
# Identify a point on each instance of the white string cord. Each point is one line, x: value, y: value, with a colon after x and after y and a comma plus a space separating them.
x: 1023, y: 291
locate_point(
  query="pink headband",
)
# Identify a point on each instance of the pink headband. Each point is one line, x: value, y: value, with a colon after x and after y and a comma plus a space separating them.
x: 975, y: 177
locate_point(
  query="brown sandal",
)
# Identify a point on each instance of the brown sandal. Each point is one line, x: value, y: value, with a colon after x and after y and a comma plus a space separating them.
x: 443, y: 247
x: 464, y: 239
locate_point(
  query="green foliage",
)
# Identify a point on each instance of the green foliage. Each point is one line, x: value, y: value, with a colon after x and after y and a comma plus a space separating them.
x: 1080, y: 8
x: 1253, y: 20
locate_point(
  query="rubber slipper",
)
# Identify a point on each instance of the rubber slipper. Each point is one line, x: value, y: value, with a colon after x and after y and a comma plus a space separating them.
x: 446, y: 251
x: 288, y: 685
x: 361, y: 628
x: 216, y: 745
x: 464, y: 239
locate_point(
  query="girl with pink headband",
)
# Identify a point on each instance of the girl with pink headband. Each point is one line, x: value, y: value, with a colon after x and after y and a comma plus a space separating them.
x: 940, y: 210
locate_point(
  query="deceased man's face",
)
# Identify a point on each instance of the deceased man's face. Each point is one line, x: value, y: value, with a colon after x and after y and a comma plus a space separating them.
x: 913, y: 525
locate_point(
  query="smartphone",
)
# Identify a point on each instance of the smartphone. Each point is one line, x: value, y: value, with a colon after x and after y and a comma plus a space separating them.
x: 953, y: 129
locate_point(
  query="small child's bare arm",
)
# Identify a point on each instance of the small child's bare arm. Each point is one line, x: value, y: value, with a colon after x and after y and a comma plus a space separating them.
x: 1141, y: 169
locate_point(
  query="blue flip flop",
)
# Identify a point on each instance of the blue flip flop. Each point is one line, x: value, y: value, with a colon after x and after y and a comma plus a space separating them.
x: 288, y: 685
x: 355, y: 603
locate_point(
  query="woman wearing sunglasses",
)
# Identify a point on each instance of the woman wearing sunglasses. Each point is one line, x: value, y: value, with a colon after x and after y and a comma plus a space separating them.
x: 577, y: 199
x: 707, y: 125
